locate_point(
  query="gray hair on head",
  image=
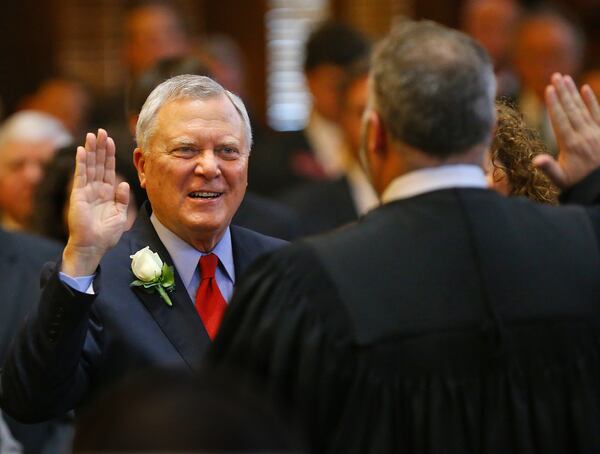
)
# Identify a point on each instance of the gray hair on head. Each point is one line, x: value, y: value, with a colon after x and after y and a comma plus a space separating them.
x: 182, y: 87
x: 434, y: 88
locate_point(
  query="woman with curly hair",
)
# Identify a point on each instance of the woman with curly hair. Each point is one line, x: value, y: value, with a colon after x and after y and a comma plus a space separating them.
x: 510, y: 167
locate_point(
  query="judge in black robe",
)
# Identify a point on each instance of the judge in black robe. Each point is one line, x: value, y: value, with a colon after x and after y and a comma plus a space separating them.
x: 450, y: 319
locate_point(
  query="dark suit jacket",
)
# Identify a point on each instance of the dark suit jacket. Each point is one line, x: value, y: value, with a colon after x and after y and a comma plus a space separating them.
x: 22, y: 257
x: 322, y: 205
x: 77, y: 343
x: 267, y: 217
x: 282, y: 161
x: 456, y: 321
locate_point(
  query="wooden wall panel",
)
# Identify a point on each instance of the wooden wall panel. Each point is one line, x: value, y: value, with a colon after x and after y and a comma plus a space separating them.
x: 27, y: 48
x: 244, y: 22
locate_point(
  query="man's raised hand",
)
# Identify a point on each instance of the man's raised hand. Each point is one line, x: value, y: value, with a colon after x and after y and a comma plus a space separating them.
x: 575, y: 119
x: 98, y: 206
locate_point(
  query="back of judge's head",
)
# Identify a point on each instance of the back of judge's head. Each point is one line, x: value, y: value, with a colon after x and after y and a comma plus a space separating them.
x: 434, y: 89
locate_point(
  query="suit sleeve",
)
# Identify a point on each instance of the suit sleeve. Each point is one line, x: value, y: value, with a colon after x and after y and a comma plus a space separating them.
x: 47, y: 370
x: 586, y: 193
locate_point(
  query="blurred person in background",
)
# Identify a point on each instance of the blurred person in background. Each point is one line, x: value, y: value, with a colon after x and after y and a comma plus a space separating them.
x: 591, y: 77
x: 28, y: 140
x: 325, y: 205
x: 22, y: 257
x: 509, y: 163
x: 317, y: 152
x: 65, y: 99
x: 492, y: 23
x: 545, y: 42
x: 225, y: 61
x: 152, y: 30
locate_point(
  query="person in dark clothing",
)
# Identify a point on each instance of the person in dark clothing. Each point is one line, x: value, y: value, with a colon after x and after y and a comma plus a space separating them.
x: 450, y: 319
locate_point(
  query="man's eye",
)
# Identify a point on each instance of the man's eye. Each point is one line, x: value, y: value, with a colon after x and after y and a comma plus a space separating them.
x: 184, y: 151
x: 228, y: 151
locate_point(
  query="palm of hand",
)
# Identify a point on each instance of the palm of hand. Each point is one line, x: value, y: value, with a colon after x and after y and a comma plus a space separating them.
x: 95, y: 218
x: 98, y: 206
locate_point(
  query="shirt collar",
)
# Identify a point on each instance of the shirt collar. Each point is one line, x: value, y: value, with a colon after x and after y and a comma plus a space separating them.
x: 185, y: 257
x: 363, y: 194
x: 434, y: 178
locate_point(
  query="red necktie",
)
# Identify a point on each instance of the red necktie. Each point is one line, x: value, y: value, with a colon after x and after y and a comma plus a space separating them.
x: 210, y: 304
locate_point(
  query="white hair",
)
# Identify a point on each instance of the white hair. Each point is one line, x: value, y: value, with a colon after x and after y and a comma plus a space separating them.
x: 34, y: 127
x: 181, y: 87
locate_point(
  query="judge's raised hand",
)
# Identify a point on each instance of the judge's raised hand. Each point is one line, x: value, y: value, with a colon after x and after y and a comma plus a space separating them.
x: 98, y: 206
x: 575, y: 120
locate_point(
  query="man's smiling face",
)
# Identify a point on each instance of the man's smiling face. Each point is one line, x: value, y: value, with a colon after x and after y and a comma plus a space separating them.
x: 196, y: 169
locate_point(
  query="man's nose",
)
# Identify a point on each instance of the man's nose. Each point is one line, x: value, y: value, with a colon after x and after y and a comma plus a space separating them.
x: 207, y: 165
x: 33, y: 172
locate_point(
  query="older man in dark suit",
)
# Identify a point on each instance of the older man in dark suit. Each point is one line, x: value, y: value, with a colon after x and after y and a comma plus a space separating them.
x: 103, y: 314
x: 450, y: 319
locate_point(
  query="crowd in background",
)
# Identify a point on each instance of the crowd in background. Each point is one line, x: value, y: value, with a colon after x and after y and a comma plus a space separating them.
x: 309, y: 170
x: 300, y: 182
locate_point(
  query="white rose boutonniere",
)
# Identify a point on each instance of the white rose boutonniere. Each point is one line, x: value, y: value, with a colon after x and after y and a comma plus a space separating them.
x: 152, y: 274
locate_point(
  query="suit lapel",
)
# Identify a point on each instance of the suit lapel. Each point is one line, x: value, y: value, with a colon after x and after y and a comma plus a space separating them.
x: 180, y: 323
x: 243, y: 252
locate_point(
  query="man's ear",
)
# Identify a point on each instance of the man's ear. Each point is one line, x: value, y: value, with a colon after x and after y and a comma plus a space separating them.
x: 380, y: 135
x: 376, y: 137
x: 377, y: 150
x: 139, y: 161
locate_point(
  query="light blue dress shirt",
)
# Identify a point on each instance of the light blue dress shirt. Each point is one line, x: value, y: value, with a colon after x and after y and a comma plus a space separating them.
x: 186, y: 258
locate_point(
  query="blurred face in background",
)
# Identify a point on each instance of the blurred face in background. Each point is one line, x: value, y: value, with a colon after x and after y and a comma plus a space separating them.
x: 65, y: 100
x: 496, y: 176
x: 324, y: 84
x: 152, y: 33
x: 354, y: 104
x: 492, y: 23
x: 545, y: 45
x: 21, y: 170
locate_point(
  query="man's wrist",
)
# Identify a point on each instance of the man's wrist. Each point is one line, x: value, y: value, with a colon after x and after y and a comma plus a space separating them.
x: 78, y: 261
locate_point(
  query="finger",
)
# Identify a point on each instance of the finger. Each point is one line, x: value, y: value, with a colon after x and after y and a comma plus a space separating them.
x: 90, y: 157
x: 563, y: 130
x: 122, y: 197
x: 579, y: 104
x: 110, y: 166
x: 592, y: 103
x: 79, y: 178
x: 100, y: 154
x: 548, y: 165
x: 567, y: 102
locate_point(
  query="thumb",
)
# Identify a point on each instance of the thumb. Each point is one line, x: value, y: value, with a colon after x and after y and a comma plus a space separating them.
x: 550, y: 167
x: 122, y: 197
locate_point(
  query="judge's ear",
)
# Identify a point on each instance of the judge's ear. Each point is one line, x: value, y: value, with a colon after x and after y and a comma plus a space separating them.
x: 379, y: 134
x: 376, y: 137
x: 377, y: 150
x: 139, y: 161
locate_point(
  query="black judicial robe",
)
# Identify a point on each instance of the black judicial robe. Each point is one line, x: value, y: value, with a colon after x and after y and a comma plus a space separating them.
x: 455, y: 321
